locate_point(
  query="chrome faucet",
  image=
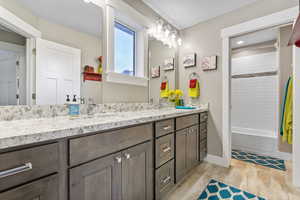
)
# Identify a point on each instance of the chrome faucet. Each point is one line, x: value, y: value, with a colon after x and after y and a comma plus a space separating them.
x: 90, y: 107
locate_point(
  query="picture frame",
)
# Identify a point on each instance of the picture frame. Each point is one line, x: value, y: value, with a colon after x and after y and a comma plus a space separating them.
x: 209, y: 63
x: 155, y: 72
x: 190, y: 60
x: 169, y: 64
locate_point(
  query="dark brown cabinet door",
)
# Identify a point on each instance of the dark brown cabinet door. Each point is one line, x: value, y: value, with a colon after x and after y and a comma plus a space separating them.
x: 193, y: 147
x: 137, y: 173
x: 44, y: 189
x: 181, y: 153
x: 97, y: 180
x: 187, y: 151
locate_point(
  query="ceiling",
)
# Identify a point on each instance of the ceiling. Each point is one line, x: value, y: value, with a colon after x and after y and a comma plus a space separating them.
x: 75, y: 14
x: 186, y: 13
x: 255, y: 38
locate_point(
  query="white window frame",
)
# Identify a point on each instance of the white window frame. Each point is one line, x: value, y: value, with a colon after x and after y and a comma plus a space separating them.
x: 135, y: 43
x: 121, y: 12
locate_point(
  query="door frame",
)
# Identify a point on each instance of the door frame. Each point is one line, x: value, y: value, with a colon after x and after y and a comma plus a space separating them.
x: 16, y: 24
x: 275, y: 19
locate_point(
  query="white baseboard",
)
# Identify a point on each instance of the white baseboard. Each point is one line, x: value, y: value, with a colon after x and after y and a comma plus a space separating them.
x: 217, y: 160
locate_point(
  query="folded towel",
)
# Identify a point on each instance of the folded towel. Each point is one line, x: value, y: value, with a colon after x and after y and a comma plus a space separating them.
x: 288, y: 115
x: 195, y: 92
x: 163, y: 85
x: 193, y: 83
x: 164, y: 90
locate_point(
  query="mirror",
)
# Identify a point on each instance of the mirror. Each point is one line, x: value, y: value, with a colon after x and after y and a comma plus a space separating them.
x: 67, y: 55
x: 163, y: 65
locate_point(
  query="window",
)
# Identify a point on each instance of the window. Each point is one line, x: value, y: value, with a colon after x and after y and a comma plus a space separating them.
x: 124, y: 49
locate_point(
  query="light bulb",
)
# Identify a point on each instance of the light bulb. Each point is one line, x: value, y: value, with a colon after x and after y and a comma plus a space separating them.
x: 173, y: 36
x: 167, y: 32
x: 179, y: 41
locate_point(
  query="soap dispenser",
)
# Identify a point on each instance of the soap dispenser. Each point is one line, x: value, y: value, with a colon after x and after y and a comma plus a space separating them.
x: 74, y: 109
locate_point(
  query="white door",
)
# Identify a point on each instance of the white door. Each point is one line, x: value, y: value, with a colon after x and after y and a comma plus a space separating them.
x: 12, y: 74
x: 8, y: 86
x: 57, y: 72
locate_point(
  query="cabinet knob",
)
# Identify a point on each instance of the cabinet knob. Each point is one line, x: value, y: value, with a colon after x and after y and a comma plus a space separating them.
x: 127, y: 156
x: 118, y: 159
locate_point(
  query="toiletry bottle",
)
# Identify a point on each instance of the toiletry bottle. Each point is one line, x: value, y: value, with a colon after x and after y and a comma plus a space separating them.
x: 68, y: 100
x: 74, y: 108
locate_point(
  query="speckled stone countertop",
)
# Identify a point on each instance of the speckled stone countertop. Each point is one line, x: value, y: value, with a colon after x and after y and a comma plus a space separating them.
x: 21, y: 132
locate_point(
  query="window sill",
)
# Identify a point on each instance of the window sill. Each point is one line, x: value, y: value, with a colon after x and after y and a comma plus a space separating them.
x: 126, y: 79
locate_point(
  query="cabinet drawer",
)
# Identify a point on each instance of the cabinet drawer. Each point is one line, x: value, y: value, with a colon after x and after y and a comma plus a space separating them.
x: 25, y: 165
x: 92, y: 147
x: 203, y: 131
x: 164, y: 149
x: 164, y: 127
x: 45, y: 189
x: 203, y: 150
x: 203, y: 117
x: 164, y: 179
x: 186, y: 121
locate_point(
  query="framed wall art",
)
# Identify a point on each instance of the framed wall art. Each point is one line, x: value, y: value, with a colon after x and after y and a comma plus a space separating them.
x: 169, y: 64
x: 155, y: 72
x: 209, y: 63
x: 190, y: 60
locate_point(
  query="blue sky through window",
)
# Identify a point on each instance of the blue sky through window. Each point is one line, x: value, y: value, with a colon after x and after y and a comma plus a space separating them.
x: 124, y: 49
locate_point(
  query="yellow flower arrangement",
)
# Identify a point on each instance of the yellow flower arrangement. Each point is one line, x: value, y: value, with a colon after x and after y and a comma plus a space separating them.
x: 175, y: 95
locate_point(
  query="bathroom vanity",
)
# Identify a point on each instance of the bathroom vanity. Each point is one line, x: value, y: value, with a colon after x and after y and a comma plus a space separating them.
x: 128, y: 156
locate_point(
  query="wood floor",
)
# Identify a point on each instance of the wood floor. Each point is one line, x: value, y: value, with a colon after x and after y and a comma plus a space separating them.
x: 269, y: 183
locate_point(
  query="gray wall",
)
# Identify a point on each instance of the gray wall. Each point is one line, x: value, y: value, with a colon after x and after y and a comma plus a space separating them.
x: 285, y: 67
x: 159, y: 53
x: 205, y: 39
x: 11, y: 37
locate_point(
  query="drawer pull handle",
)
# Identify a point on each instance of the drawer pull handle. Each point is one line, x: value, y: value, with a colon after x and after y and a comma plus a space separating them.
x: 166, y: 179
x: 118, y: 159
x: 167, y: 128
x: 127, y: 156
x: 10, y: 172
x: 165, y: 150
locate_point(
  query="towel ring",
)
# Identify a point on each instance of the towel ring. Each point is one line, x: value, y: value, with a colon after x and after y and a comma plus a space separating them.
x: 164, y: 78
x: 194, y: 75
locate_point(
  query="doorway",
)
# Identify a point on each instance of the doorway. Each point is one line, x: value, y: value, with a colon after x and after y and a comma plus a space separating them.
x: 261, y: 67
x: 276, y: 19
x: 12, y: 68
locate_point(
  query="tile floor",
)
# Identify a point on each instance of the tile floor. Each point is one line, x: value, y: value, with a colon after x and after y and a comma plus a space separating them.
x: 269, y: 183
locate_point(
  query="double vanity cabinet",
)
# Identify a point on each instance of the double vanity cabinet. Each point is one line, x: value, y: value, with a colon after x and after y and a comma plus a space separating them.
x: 139, y: 162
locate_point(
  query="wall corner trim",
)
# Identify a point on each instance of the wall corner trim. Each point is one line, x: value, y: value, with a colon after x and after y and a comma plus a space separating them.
x: 217, y: 160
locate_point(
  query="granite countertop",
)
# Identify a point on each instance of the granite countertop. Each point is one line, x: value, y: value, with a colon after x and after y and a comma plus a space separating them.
x: 22, y: 132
